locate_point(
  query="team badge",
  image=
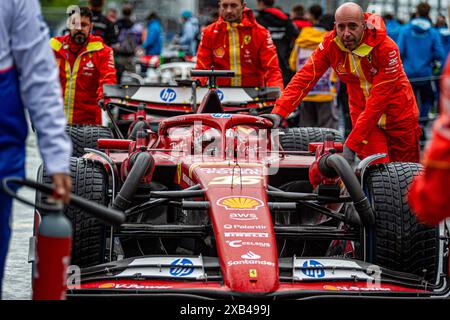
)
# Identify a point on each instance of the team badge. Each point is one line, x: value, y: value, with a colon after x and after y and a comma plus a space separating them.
x: 219, y: 52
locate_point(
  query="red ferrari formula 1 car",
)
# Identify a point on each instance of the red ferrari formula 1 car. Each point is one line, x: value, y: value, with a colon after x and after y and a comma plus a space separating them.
x: 220, y: 206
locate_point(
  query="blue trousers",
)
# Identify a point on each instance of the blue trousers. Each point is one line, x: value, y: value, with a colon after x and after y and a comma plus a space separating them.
x: 5, y: 232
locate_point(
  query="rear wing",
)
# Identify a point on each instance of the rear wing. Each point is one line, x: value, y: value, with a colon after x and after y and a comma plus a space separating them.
x: 182, y: 95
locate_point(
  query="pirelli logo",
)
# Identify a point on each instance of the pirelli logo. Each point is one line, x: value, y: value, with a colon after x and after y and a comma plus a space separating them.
x: 246, y: 235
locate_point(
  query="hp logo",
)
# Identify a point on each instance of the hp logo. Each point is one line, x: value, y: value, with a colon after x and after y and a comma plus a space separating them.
x: 168, y: 95
x: 313, y: 269
x: 182, y: 267
x: 220, y: 94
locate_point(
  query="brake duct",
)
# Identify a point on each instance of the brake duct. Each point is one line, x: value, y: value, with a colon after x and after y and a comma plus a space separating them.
x: 333, y: 165
x: 142, y: 165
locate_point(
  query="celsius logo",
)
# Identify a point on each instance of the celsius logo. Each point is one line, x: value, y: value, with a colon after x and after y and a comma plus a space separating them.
x: 313, y: 269
x: 240, y: 243
x: 220, y: 94
x: 168, y: 95
x: 251, y: 256
x: 182, y: 267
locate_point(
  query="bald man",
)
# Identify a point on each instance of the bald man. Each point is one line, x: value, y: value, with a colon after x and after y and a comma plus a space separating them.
x: 383, y: 109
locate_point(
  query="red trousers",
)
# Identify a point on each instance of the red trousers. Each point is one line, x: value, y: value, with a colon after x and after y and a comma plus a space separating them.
x: 399, y: 145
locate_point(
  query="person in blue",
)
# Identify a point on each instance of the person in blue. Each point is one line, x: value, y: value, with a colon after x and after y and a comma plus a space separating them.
x: 188, y: 39
x: 420, y: 48
x: 442, y: 27
x: 28, y: 82
x: 152, y: 36
x: 393, y: 26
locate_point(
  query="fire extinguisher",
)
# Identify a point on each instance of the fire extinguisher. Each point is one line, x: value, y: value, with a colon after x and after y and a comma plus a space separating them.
x: 54, y: 237
x: 53, y: 252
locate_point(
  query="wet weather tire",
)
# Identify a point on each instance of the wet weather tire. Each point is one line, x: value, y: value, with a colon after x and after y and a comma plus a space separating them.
x: 90, y: 181
x: 298, y: 139
x: 86, y: 136
x: 399, y: 241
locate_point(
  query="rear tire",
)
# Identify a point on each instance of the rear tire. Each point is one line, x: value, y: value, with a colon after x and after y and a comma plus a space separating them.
x: 298, y: 139
x: 400, y: 242
x: 86, y: 136
x: 90, y: 181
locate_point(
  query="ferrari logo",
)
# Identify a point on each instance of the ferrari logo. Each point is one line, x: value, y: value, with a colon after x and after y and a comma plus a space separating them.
x: 247, y: 39
x: 252, y: 273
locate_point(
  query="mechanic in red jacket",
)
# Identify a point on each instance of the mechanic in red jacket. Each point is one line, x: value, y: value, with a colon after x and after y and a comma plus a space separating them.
x: 383, y: 109
x: 430, y: 192
x: 85, y: 65
x: 237, y: 42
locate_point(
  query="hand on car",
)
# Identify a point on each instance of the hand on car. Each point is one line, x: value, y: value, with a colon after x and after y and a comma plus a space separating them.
x: 62, y: 184
x: 274, y: 118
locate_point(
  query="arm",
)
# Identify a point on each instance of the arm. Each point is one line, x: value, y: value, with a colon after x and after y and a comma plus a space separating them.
x: 438, y: 49
x: 303, y: 81
x: 39, y: 85
x: 268, y: 60
x: 389, y: 70
x: 187, y: 35
x: 106, y: 70
x: 204, y: 54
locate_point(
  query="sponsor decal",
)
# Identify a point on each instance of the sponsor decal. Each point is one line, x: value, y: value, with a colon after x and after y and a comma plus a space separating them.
x: 219, y: 52
x: 251, y: 256
x: 221, y: 96
x: 247, y: 39
x: 90, y: 64
x: 221, y: 115
x: 240, y: 243
x: 251, y: 262
x: 313, y: 269
x: 244, y: 227
x: 228, y: 171
x: 252, y: 273
x: 246, y: 235
x: 130, y: 286
x: 168, y: 95
x: 353, y: 288
x: 236, y: 179
x: 340, y: 68
x: 240, y: 203
x: 243, y: 216
x: 181, y: 267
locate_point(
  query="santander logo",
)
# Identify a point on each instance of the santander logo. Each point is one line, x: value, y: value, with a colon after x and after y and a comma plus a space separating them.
x: 251, y: 256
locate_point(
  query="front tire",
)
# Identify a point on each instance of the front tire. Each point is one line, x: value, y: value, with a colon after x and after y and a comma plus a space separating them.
x: 400, y: 241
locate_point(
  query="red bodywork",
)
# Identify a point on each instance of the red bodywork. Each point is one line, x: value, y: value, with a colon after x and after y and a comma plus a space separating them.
x: 230, y: 156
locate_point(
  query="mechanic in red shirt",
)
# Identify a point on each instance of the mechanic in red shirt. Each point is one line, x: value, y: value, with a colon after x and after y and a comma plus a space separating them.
x: 85, y: 64
x: 383, y: 109
x: 430, y: 192
x: 237, y: 42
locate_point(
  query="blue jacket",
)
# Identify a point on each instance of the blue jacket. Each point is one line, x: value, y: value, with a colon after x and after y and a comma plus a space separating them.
x: 188, y: 37
x: 29, y: 80
x: 153, y: 44
x: 393, y: 28
x: 444, y: 32
x: 420, y: 45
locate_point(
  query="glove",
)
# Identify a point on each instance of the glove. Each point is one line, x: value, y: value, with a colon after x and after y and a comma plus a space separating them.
x: 101, y: 104
x: 274, y: 118
x: 349, y: 155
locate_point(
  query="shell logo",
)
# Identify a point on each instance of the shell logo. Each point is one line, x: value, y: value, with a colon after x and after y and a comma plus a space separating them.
x: 240, y: 203
x: 219, y: 52
x: 107, y: 286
